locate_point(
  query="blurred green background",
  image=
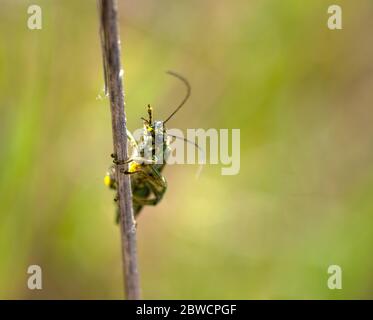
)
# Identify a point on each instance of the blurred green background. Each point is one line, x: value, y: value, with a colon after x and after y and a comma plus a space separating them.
x: 301, y: 95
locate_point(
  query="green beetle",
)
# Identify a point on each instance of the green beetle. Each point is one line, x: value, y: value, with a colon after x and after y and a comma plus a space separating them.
x: 148, y: 159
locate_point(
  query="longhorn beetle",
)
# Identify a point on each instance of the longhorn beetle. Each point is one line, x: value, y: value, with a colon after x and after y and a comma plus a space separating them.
x: 148, y: 159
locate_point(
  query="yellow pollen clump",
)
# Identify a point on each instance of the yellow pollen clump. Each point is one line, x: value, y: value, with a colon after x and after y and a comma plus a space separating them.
x: 107, y: 181
x: 133, y: 167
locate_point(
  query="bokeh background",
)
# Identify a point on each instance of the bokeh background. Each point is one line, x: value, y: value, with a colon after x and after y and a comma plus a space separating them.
x: 301, y: 95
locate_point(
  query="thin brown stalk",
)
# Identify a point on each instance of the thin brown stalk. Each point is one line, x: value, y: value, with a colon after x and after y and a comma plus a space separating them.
x: 114, y: 87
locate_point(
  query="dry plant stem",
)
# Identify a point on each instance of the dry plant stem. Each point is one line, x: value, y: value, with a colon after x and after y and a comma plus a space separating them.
x: 112, y: 68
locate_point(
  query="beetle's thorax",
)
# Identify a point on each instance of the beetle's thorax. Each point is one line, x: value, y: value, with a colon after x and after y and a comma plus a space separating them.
x: 153, y: 141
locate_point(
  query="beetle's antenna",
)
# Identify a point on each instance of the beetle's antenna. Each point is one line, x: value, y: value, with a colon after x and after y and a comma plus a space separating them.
x: 186, y: 96
x: 147, y: 121
x: 198, y: 147
x: 186, y: 140
x: 150, y: 112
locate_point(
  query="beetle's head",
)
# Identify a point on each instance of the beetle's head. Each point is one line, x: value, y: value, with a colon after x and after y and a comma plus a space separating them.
x: 153, y: 128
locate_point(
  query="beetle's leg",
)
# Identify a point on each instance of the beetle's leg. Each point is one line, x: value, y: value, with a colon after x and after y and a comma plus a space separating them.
x: 146, y: 202
x: 139, y: 161
x: 157, y: 184
x: 143, y: 160
x: 134, y: 145
x: 121, y: 162
x: 158, y: 195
